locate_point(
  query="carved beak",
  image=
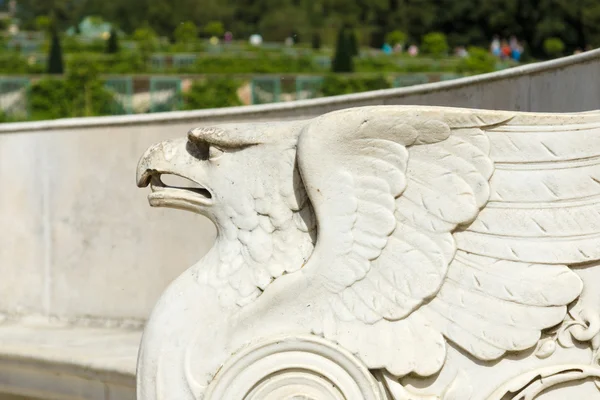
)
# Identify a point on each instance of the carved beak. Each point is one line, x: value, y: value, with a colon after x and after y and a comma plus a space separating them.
x: 173, y: 158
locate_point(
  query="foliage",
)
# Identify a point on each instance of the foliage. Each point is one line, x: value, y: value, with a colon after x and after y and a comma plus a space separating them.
x: 260, y: 64
x: 336, y: 84
x: 478, y: 61
x: 186, y: 32
x: 147, y: 41
x: 279, y: 23
x: 396, y: 37
x: 554, y: 47
x: 342, y: 60
x: 316, y: 41
x: 112, y: 44
x: 214, y: 28
x: 14, y: 63
x: 80, y: 94
x: 353, y: 43
x: 55, y: 58
x: 212, y: 93
x: 465, y: 22
x: 435, y: 44
x: 74, y: 44
x: 43, y: 23
x: 120, y: 63
x: 146, y: 38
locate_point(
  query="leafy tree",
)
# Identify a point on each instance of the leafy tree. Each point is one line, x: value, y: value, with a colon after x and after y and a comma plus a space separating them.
x: 396, y: 37
x: 214, y: 28
x: 281, y: 22
x: 55, y: 59
x: 43, y: 23
x: 554, y: 47
x: 186, y: 32
x: 435, y: 44
x: 342, y: 61
x: 147, y: 41
x: 112, y: 44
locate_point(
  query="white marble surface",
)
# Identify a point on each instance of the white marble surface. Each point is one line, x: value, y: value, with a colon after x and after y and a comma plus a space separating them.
x: 383, y: 253
x: 56, y: 361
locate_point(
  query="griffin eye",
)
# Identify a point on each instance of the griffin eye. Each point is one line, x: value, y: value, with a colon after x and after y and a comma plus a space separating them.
x: 214, y: 152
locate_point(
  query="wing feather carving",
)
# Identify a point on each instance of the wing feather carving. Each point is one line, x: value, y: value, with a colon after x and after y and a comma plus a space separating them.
x: 445, y: 224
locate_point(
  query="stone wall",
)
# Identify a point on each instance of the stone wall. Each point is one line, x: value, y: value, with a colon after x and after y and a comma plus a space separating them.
x: 78, y: 238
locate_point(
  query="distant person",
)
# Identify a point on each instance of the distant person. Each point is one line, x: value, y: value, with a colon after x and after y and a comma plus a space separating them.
x: 413, y: 50
x: 461, y: 52
x: 387, y: 49
x: 495, y: 46
x: 398, y: 48
x: 517, y: 52
x: 228, y: 37
x: 505, y: 50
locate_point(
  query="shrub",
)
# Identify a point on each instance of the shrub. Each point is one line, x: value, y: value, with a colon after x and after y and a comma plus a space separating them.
x: 43, y: 23
x: 478, y: 61
x: 186, y: 32
x: 335, y: 84
x: 554, y: 47
x: 395, y: 37
x: 261, y: 63
x: 214, y: 28
x: 146, y: 39
x: 73, y: 44
x: 435, y: 44
x: 212, y: 93
x: 14, y: 63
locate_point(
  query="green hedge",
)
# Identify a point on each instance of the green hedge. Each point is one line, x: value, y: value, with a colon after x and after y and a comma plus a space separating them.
x: 212, y: 93
x: 133, y: 62
x: 339, y: 84
x: 478, y: 61
x: 13, y: 63
x: 81, y: 94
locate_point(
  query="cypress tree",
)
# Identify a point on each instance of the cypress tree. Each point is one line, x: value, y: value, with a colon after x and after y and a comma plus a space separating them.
x: 342, y: 60
x: 112, y: 44
x: 353, y: 42
x: 316, y: 41
x: 55, y: 59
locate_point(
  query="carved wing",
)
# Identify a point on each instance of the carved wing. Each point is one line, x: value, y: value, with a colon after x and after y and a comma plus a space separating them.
x: 454, y: 224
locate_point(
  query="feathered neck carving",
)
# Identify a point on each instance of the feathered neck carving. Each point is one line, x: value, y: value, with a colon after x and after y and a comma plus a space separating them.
x: 272, y: 232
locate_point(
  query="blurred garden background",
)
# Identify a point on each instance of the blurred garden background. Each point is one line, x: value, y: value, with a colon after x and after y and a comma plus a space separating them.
x: 72, y: 58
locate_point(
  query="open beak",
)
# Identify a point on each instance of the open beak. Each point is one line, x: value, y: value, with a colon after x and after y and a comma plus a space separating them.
x: 172, y: 158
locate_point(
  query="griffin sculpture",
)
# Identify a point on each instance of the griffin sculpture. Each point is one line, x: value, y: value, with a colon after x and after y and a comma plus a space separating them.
x: 357, y: 248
